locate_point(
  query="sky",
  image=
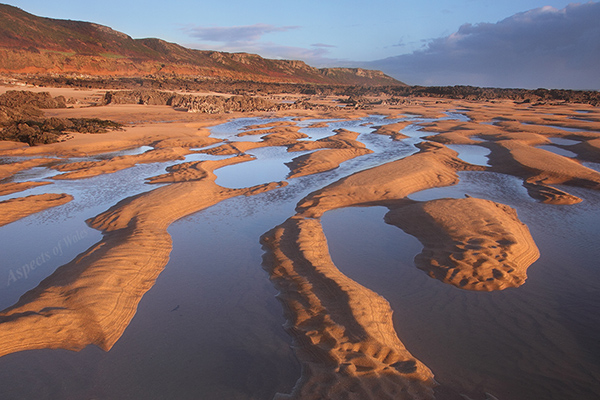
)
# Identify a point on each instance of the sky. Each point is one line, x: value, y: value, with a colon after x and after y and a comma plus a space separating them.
x: 508, y: 43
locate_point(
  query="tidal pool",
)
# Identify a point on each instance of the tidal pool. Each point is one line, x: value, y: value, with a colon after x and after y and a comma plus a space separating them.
x: 211, y: 326
x: 535, y: 341
x: 472, y: 154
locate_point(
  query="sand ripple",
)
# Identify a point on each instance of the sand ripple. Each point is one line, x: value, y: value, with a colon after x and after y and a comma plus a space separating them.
x: 343, y: 332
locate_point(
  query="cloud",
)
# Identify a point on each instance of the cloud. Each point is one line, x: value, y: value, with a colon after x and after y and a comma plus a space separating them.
x: 235, y: 34
x: 316, y: 57
x: 249, y: 39
x: 323, y: 45
x: 543, y: 47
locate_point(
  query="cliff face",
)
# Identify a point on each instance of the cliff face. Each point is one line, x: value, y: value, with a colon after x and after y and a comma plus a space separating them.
x: 31, y: 44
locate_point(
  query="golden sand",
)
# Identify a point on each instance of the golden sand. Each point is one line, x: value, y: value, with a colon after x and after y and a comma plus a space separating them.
x: 14, y: 209
x: 342, y: 332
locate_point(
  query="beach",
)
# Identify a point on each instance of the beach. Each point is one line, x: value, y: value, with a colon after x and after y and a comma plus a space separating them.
x: 304, y: 254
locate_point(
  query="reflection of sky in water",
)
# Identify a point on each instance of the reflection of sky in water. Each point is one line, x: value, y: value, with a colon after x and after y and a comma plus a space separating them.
x: 482, y: 184
x: 269, y: 166
x: 557, y: 150
x: 563, y: 141
x: 591, y: 165
x: 473, y: 154
x: 550, y: 320
x: 205, y: 283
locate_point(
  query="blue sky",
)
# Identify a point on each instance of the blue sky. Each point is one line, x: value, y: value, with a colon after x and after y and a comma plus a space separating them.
x: 419, y: 42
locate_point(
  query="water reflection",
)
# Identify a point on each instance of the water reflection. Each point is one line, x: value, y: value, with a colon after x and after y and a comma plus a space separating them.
x: 211, y: 326
x: 472, y: 154
x: 531, y: 342
x: 558, y: 150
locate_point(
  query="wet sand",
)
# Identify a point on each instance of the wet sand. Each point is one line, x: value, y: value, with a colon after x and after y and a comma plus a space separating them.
x: 21, y: 207
x: 342, y: 332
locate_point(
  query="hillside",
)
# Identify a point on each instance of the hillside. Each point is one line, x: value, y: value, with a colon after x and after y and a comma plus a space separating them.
x: 31, y: 44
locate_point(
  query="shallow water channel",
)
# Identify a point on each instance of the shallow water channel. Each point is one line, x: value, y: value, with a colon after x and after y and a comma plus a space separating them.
x: 211, y: 327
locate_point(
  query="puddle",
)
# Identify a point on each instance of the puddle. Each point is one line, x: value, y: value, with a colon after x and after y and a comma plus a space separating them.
x: 267, y: 167
x: 472, y: 154
x: 563, y: 141
x: 557, y: 150
x: 515, y: 343
x: 211, y: 325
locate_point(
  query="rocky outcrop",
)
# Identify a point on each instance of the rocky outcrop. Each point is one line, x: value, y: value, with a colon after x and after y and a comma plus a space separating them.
x: 20, y: 98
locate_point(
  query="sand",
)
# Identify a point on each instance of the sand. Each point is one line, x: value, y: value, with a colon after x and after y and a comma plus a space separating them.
x: 322, y: 160
x: 343, y: 139
x: 393, y: 130
x: 14, y: 209
x: 92, y: 299
x: 470, y: 243
x: 539, y: 165
x: 434, y: 166
x: 8, y: 170
x: 341, y: 331
x: 15, y: 187
x: 88, y: 169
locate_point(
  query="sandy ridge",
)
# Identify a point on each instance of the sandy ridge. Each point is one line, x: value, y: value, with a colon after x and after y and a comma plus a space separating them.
x: 14, y: 209
x: 92, y: 299
x: 435, y: 165
x: 15, y: 187
x: 541, y: 166
x: 393, y: 130
x: 322, y: 160
x: 343, y: 332
x: 7, y: 170
x: 470, y: 243
x: 88, y: 169
x: 343, y: 139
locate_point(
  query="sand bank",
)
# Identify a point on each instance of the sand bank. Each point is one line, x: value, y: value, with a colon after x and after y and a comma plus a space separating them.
x: 322, y: 160
x: 343, y: 139
x: 14, y: 209
x: 15, y: 187
x: 92, y: 299
x: 434, y: 166
x: 7, y: 170
x: 470, y: 243
x: 88, y: 169
x: 342, y: 332
x: 541, y: 166
x: 393, y: 130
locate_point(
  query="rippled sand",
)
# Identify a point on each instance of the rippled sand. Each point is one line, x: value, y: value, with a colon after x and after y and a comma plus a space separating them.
x: 342, y: 332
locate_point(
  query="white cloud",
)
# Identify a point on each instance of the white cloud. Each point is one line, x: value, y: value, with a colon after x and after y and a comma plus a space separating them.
x: 249, y: 39
x: 543, y: 47
x: 323, y: 45
x: 235, y: 34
